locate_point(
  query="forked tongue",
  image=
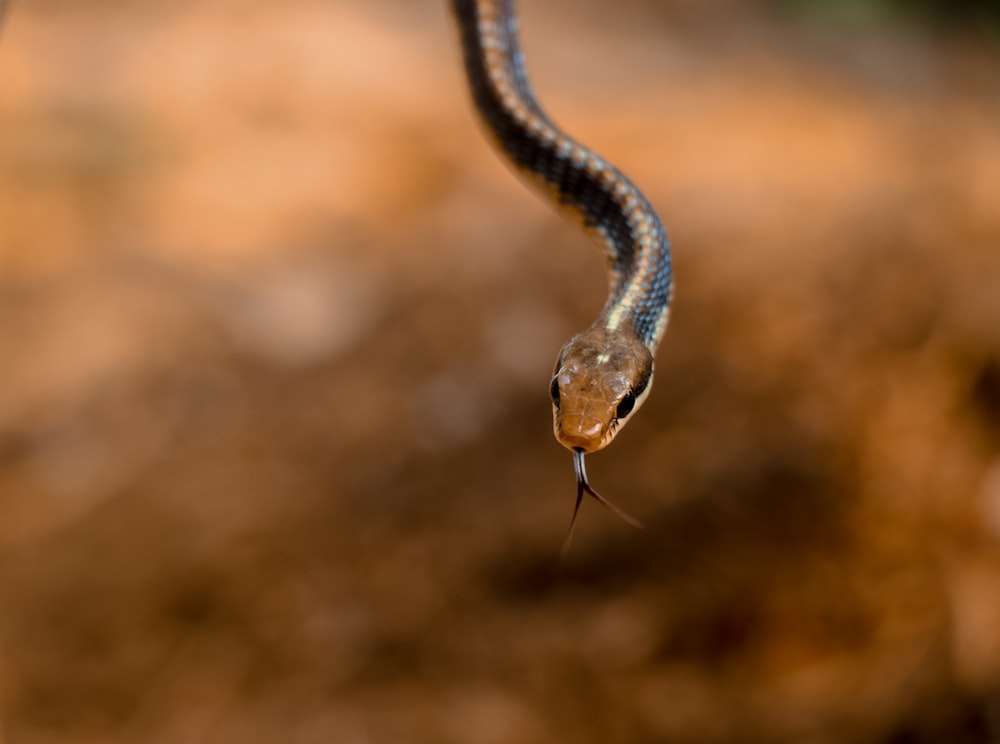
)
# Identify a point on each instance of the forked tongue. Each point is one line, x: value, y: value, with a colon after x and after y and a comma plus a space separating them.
x: 582, y: 486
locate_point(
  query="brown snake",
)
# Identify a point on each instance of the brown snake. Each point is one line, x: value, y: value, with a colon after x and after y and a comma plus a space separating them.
x: 604, y: 374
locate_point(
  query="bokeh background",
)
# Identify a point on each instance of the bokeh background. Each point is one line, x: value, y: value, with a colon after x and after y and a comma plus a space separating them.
x: 276, y: 330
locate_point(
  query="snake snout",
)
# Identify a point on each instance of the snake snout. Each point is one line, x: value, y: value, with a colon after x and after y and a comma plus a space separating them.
x: 578, y: 433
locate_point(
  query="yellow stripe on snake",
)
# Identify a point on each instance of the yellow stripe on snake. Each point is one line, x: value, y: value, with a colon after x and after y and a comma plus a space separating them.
x: 603, y: 375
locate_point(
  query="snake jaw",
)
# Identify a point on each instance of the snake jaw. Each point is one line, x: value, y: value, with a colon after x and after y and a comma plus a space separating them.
x: 575, y: 432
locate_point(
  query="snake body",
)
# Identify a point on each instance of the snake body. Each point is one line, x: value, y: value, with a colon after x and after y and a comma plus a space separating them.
x: 603, y: 374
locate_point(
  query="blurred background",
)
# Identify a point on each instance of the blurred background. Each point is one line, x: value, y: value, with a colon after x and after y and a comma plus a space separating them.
x: 276, y: 331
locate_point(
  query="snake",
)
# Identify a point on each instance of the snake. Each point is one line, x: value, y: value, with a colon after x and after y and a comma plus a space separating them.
x: 604, y: 374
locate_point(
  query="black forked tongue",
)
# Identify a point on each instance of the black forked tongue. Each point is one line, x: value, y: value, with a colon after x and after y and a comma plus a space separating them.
x: 583, y: 486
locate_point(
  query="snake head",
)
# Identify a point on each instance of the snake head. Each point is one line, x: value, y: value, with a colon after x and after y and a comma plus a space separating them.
x: 602, y: 377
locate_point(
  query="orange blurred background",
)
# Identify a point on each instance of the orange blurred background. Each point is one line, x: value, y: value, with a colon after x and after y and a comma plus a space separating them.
x: 276, y: 330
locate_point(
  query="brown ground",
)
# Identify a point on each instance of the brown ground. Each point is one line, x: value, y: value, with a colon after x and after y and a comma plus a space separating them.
x: 275, y: 336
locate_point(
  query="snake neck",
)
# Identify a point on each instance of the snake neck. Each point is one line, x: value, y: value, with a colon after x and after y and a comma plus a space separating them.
x: 596, y: 193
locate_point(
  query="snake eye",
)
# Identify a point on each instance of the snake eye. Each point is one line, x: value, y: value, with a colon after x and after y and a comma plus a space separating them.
x: 626, y: 405
x: 554, y: 391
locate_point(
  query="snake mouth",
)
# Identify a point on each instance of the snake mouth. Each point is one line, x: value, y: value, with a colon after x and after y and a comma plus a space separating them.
x: 588, y: 438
